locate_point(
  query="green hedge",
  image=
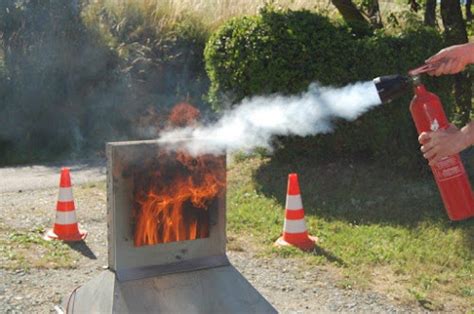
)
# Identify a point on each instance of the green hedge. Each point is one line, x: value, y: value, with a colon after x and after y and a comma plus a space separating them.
x: 283, y: 51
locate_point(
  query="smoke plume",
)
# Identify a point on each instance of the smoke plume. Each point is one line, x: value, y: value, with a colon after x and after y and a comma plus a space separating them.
x: 256, y: 120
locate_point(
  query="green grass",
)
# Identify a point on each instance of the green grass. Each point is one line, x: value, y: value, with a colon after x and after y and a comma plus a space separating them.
x: 383, y: 230
x: 97, y: 185
x: 28, y: 249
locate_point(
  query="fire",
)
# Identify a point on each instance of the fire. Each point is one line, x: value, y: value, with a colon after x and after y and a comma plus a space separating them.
x: 184, y: 114
x: 172, y: 203
x: 173, y: 192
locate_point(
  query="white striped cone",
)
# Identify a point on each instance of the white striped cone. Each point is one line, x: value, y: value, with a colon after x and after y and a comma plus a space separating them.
x: 65, y: 226
x: 294, y: 227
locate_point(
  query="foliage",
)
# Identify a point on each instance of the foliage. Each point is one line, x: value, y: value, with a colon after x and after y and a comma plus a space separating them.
x: 403, y: 20
x: 283, y: 51
x: 273, y: 52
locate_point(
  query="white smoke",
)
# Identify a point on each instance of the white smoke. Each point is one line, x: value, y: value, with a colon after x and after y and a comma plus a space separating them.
x: 256, y: 120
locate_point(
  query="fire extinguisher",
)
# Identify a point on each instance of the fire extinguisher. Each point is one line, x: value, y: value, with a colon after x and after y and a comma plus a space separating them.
x: 428, y: 115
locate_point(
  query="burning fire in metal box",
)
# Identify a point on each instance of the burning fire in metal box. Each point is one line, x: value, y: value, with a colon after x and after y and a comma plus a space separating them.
x: 172, y: 195
x: 166, y: 237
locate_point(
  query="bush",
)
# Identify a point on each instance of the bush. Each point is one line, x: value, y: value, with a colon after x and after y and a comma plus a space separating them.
x: 274, y: 52
x: 283, y: 51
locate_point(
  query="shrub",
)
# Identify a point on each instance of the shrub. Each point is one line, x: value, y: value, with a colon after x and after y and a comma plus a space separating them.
x: 274, y: 52
x: 283, y: 51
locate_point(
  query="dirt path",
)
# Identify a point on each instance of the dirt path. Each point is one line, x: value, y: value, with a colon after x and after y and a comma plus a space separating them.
x: 41, y: 176
x: 288, y: 284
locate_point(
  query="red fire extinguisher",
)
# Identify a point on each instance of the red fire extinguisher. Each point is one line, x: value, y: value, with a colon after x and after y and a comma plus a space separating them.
x: 449, y: 172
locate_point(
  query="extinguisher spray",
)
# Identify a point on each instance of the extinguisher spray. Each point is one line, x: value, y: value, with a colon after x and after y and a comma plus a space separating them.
x: 428, y: 115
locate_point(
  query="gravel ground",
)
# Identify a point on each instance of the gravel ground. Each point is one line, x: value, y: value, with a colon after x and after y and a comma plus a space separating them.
x: 288, y: 284
x: 40, y: 176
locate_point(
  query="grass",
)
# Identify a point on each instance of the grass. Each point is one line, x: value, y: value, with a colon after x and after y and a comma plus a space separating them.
x: 164, y: 15
x: 27, y: 249
x: 382, y: 230
x: 211, y: 12
x: 214, y: 12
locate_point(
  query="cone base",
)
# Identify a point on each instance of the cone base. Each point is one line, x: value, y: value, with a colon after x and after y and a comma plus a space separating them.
x: 306, y: 245
x: 50, y: 235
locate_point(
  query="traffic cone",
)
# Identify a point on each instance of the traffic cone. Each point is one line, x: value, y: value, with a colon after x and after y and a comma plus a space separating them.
x: 65, y: 227
x: 294, y: 228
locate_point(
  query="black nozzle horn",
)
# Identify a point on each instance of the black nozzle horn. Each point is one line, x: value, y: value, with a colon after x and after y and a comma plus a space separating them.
x: 392, y: 86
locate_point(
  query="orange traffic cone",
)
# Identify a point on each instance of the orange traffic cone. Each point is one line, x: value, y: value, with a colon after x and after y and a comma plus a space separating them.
x: 294, y: 228
x: 65, y: 227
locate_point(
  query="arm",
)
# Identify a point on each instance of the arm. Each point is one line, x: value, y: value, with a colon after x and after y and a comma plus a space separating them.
x: 442, y: 143
x: 451, y: 60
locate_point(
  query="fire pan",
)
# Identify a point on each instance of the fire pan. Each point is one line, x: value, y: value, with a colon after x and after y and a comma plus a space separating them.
x: 186, y: 276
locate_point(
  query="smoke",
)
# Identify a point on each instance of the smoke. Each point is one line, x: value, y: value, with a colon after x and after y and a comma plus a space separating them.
x: 66, y: 86
x: 256, y: 120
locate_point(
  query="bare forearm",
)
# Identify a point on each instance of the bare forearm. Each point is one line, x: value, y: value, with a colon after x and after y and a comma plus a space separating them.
x: 470, y: 52
x: 468, y: 134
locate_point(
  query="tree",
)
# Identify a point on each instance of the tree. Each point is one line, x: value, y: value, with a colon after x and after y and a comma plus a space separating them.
x: 373, y: 12
x: 468, y: 10
x: 455, y: 33
x: 414, y: 5
x: 368, y: 14
x: 430, y: 13
x: 348, y: 10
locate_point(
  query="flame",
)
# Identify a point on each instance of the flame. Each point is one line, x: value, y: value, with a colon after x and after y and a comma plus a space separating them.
x: 172, y: 196
x: 184, y: 114
x: 172, y: 193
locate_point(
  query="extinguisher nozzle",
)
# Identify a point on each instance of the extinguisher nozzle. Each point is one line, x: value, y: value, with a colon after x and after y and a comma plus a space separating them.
x: 392, y: 86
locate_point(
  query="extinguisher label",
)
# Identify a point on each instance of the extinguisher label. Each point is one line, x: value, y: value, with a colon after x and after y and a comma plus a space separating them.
x: 434, y: 125
x: 448, y: 168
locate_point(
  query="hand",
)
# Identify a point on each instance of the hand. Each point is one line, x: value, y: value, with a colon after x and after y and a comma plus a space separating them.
x: 441, y: 143
x: 451, y: 60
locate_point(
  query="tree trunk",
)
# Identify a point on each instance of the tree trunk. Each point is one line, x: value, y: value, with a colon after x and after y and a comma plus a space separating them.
x: 455, y: 33
x: 350, y: 13
x: 468, y: 10
x: 414, y: 6
x: 374, y: 14
x: 430, y: 13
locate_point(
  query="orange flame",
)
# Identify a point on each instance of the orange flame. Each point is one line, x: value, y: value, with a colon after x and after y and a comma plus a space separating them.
x: 183, y: 114
x: 172, y: 202
x: 173, y: 192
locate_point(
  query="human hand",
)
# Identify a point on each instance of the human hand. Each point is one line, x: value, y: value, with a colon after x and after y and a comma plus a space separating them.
x: 441, y: 143
x: 451, y: 60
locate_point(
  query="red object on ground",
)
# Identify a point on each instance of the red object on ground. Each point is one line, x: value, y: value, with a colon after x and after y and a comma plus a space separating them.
x: 65, y: 226
x: 294, y: 228
x: 449, y: 172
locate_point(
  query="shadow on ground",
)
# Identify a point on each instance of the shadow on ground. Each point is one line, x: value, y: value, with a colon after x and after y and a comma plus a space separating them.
x: 361, y: 193
x: 83, y: 248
